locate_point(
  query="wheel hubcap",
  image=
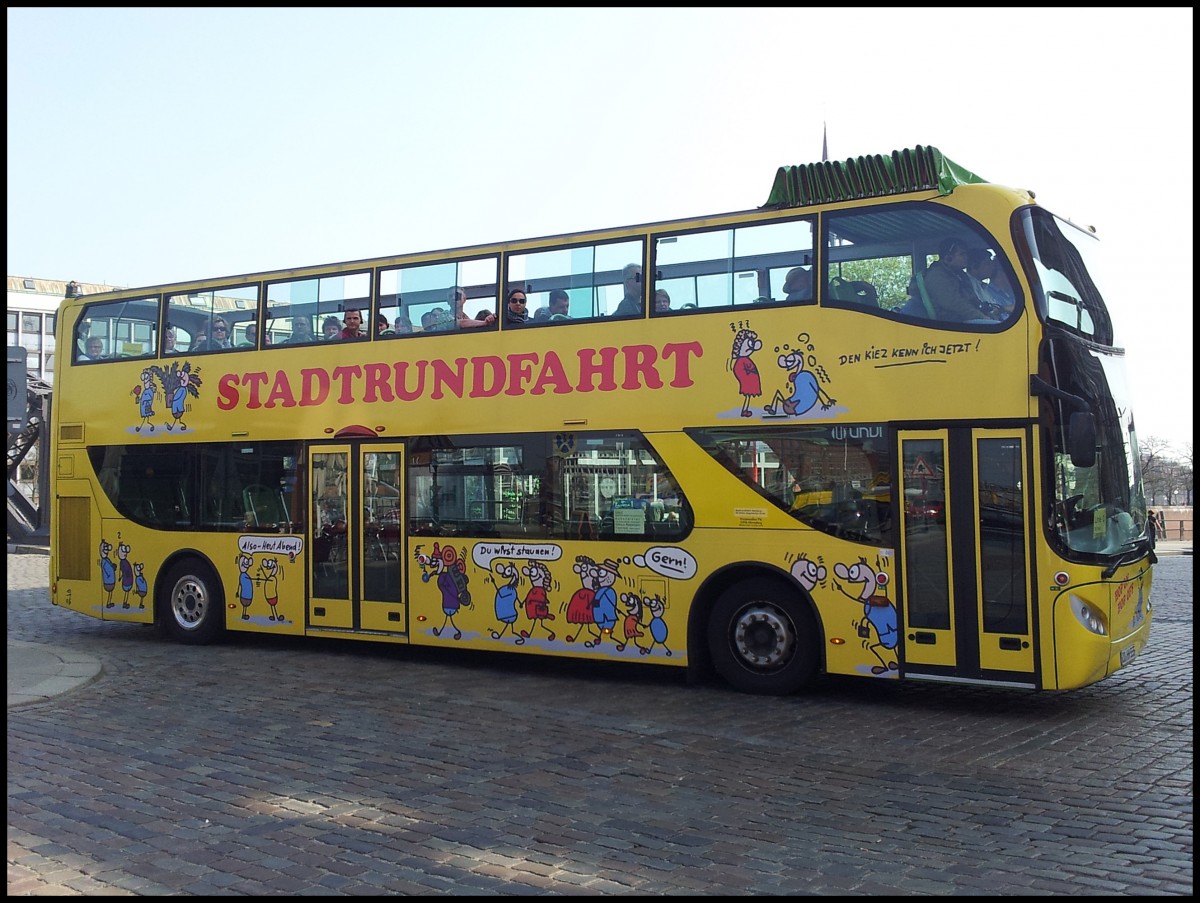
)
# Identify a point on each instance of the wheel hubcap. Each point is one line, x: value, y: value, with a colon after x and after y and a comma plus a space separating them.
x: 189, y: 602
x: 764, y: 637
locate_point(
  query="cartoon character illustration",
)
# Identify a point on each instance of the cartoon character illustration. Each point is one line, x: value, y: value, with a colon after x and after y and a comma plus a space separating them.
x: 604, y: 602
x: 745, y: 343
x: 807, y: 573
x: 506, y: 579
x: 145, y: 398
x: 658, y: 627
x: 268, y: 573
x: 178, y: 383
x: 579, y: 606
x: 878, y: 610
x: 126, y: 568
x: 245, y: 584
x: 804, y: 391
x: 631, y: 625
x: 139, y: 583
x: 451, y: 573
x: 108, y: 572
x: 537, y: 603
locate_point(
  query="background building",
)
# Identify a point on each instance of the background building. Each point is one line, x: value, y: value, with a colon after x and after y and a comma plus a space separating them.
x: 32, y: 310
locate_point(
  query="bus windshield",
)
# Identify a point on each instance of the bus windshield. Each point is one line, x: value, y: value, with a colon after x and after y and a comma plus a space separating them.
x: 1066, y: 259
x: 1100, y: 508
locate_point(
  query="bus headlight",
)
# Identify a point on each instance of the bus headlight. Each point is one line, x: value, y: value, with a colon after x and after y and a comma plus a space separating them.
x: 1088, y: 615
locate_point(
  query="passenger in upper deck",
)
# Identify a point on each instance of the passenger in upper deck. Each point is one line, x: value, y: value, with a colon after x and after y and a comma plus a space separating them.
x: 94, y: 349
x: 989, y: 283
x: 798, y: 284
x: 662, y: 301
x: 170, y: 336
x: 458, y: 297
x: 331, y: 328
x: 251, y: 340
x: 437, y: 320
x: 949, y: 287
x: 354, y: 322
x: 220, y: 338
x: 631, y: 304
x: 559, y: 307
x: 302, y: 332
x: 514, y: 313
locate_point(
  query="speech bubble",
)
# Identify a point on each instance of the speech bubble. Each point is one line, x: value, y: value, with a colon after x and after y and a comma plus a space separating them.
x: 484, y: 553
x: 668, y: 561
x: 287, y: 545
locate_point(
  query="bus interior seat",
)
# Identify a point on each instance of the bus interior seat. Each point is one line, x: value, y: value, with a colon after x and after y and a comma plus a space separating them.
x: 921, y: 296
x: 854, y: 291
x: 265, y: 505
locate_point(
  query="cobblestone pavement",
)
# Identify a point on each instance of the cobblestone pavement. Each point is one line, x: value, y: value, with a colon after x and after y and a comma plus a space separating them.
x: 275, y: 766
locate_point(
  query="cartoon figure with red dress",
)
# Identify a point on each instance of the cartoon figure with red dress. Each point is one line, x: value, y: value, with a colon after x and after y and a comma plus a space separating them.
x: 745, y: 343
x: 537, y: 603
x: 579, y: 607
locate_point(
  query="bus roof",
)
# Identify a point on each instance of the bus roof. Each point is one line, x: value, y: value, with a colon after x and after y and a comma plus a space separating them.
x: 912, y: 169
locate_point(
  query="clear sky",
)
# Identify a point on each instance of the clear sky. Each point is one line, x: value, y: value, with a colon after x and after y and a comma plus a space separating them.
x: 151, y: 146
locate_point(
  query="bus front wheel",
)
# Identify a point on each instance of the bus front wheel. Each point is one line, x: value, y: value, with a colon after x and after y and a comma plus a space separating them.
x: 762, y: 638
x: 192, y: 607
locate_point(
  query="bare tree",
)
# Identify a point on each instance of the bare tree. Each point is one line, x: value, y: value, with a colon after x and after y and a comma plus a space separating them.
x: 1157, y: 461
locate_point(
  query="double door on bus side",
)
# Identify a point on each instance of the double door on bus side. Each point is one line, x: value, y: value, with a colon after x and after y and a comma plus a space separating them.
x: 966, y: 600
x: 356, y: 494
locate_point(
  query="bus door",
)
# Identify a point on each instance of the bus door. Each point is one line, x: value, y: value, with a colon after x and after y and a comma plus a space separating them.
x: 356, y: 494
x: 966, y: 601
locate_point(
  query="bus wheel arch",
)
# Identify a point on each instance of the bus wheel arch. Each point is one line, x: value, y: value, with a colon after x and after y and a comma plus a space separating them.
x: 190, y: 600
x: 761, y: 633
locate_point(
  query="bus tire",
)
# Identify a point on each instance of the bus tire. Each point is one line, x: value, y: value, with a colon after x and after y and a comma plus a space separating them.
x: 763, y: 638
x: 192, y: 606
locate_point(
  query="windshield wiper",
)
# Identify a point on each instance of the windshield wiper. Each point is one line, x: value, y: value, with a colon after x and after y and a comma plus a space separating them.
x: 1128, y: 557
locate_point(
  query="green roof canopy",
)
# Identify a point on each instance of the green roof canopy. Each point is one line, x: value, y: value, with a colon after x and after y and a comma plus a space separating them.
x: 912, y: 169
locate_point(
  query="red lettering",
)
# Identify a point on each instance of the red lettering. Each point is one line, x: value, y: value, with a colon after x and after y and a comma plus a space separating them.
x: 314, y: 388
x: 643, y: 366
x: 281, y: 392
x: 680, y: 351
x: 639, y: 362
x: 488, y: 377
x: 603, y: 368
x: 454, y: 380
x: 255, y: 381
x: 554, y: 375
x: 227, y: 393
x: 347, y: 375
x: 377, y: 387
x: 402, y: 391
x: 521, y: 372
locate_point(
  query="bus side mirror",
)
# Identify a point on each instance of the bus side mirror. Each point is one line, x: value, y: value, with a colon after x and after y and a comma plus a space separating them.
x: 1081, y: 439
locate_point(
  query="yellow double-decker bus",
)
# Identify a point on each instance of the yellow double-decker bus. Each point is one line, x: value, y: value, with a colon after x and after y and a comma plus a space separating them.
x: 878, y: 426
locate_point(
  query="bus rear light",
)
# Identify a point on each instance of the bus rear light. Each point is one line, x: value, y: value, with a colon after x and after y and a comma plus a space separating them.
x: 1088, y: 616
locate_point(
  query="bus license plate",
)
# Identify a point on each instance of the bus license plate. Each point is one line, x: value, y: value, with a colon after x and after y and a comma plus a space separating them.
x: 1128, y: 654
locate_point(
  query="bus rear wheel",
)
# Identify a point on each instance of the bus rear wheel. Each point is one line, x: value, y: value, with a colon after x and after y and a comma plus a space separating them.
x: 192, y: 605
x: 762, y: 638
